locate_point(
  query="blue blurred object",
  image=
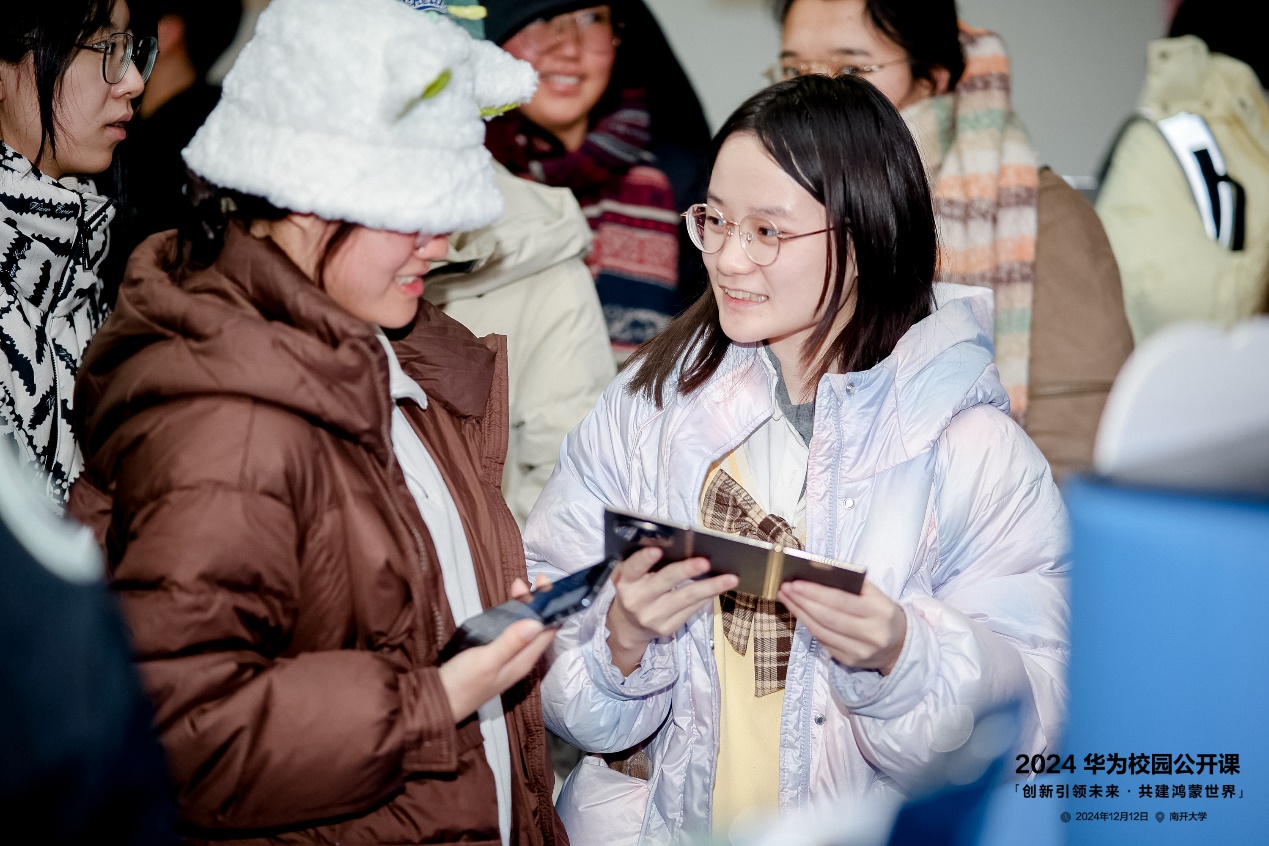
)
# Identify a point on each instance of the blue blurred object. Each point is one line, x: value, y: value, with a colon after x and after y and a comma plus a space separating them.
x: 1168, y: 658
x: 954, y: 811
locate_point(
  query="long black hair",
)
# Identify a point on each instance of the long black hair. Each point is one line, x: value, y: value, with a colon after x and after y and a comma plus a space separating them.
x: 844, y: 143
x: 927, y: 30
x: 50, y: 31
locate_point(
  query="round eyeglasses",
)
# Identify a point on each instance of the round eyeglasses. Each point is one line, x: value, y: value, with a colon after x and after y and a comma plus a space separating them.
x: 120, y: 50
x: 593, y: 28
x: 778, y: 73
x: 709, y: 229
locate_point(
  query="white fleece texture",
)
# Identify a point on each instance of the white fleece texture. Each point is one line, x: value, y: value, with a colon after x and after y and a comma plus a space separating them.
x: 323, y: 113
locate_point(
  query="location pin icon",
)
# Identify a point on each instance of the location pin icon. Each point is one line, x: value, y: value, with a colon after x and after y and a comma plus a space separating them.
x: 1158, y: 816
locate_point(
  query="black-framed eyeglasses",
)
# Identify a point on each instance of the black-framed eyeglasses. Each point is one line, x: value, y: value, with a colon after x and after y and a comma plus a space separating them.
x: 777, y: 73
x: 709, y: 229
x: 120, y: 50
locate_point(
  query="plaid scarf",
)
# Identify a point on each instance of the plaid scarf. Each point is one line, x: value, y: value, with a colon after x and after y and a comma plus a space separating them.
x: 984, y: 176
x: 728, y: 507
x: 628, y: 203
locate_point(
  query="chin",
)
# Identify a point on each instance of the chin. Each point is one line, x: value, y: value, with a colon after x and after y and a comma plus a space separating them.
x: 741, y: 334
x: 397, y: 319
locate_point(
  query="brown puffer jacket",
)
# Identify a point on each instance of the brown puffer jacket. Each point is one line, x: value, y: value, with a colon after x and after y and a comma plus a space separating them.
x: 282, y: 590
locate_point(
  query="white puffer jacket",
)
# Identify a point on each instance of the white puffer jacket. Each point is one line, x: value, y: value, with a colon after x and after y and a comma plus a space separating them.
x: 917, y: 473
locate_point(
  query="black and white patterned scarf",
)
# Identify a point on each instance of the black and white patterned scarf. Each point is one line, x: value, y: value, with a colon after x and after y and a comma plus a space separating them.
x: 53, y: 239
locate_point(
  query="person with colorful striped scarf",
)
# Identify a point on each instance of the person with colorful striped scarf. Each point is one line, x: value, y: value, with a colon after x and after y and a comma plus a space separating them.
x: 1005, y: 222
x: 614, y: 120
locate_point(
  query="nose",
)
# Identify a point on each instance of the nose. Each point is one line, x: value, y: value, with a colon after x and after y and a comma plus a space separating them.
x: 132, y: 85
x: 732, y: 258
x: 568, y: 37
x: 431, y: 247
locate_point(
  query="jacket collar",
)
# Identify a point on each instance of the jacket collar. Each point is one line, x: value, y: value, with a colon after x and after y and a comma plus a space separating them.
x: 437, y: 352
x: 888, y: 413
x: 401, y: 385
x: 254, y: 325
x: 58, y: 222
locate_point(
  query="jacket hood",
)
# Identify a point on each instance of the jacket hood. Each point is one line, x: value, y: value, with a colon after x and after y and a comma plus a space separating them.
x: 542, y: 227
x: 252, y: 325
x: 899, y: 408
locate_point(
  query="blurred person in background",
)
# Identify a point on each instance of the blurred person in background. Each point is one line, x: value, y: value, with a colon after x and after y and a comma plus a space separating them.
x: 178, y: 97
x: 79, y: 762
x: 524, y: 277
x: 69, y: 71
x: 823, y: 394
x: 296, y: 509
x: 1004, y: 222
x: 1205, y: 81
x: 615, y: 120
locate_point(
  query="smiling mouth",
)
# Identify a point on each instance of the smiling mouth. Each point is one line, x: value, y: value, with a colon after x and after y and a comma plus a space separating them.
x: 561, y: 79
x: 744, y: 296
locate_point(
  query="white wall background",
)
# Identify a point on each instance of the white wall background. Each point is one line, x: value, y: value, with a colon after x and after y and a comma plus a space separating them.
x: 1077, y: 64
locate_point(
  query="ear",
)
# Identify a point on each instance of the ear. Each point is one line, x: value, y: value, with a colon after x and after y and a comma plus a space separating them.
x: 7, y: 72
x: 940, y: 78
x: 171, y: 34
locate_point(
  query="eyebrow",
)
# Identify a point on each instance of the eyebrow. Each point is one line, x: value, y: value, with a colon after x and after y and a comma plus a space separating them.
x: 769, y: 211
x: 840, y: 51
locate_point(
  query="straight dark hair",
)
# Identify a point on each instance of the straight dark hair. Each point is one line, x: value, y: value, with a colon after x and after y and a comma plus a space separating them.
x: 927, y: 30
x: 50, y: 32
x: 844, y: 143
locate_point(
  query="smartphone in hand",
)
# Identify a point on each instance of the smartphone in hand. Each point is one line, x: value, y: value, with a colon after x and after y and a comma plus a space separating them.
x: 549, y: 604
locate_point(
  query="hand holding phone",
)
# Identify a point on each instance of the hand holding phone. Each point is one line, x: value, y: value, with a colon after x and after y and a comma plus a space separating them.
x: 475, y: 676
x: 548, y: 605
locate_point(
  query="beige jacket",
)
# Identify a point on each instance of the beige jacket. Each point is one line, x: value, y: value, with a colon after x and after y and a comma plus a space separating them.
x: 1171, y: 270
x: 524, y: 278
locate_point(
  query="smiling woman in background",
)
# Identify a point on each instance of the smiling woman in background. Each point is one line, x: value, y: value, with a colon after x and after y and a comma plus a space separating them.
x: 615, y: 120
x: 69, y: 70
x: 1005, y: 222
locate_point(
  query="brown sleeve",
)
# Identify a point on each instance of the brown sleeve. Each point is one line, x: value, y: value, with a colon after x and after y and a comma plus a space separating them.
x: 1079, y: 332
x: 209, y: 581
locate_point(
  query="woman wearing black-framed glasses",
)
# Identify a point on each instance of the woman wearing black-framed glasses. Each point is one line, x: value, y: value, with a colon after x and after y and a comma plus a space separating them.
x: 69, y: 72
x: 121, y: 51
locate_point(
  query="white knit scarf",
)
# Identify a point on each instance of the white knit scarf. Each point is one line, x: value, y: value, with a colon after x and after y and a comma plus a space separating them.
x: 53, y: 239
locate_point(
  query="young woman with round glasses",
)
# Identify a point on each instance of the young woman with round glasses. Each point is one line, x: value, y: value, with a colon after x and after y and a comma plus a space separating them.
x: 69, y: 71
x: 823, y: 393
x: 615, y: 120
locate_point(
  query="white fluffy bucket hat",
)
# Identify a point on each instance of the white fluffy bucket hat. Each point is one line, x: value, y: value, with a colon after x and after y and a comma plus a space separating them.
x: 366, y: 111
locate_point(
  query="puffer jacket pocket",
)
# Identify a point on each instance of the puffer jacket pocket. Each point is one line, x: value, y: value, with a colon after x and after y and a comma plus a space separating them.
x: 600, y: 805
